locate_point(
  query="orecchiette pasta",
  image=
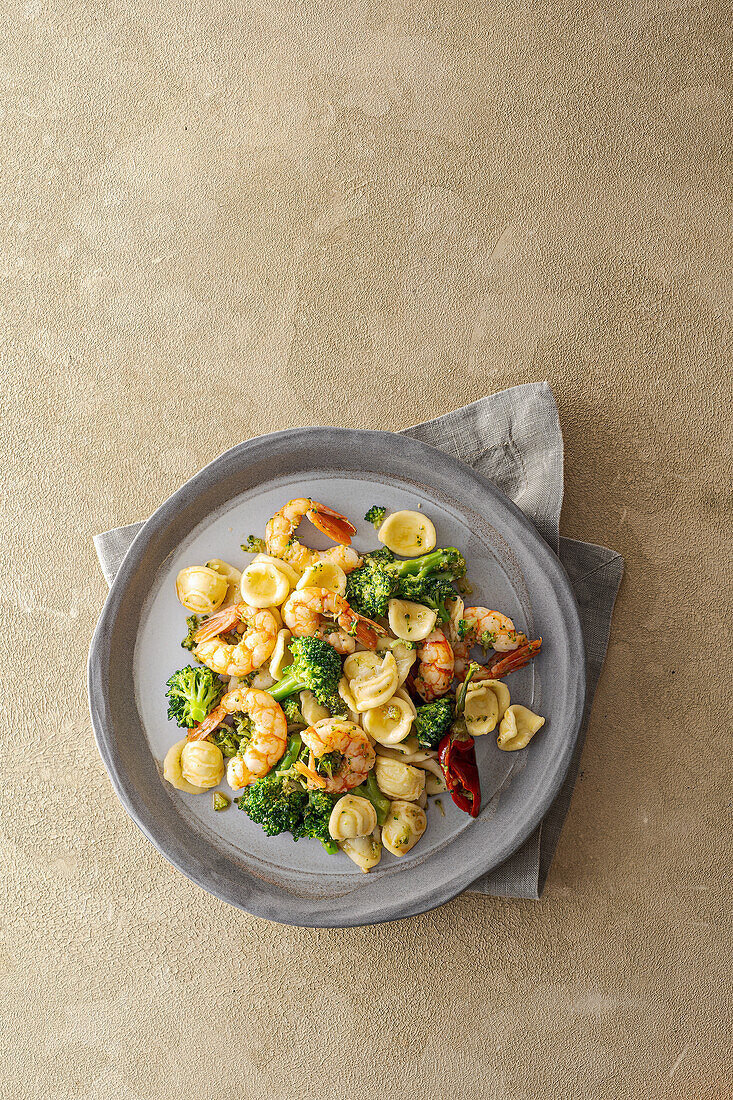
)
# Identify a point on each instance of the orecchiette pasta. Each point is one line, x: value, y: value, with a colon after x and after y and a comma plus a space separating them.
x: 285, y: 567
x: 368, y: 686
x: 402, y: 694
x: 172, y: 769
x: 201, y: 589
x: 365, y: 851
x: 264, y: 585
x: 456, y: 607
x: 281, y: 655
x: 324, y: 574
x: 352, y: 816
x: 434, y: 778
x: 202, y: 763
x: 406, y: 822
x: 362, y: 664
x: 410, y: 621
x: 518, y: 727
x: 481, y: 711
x: 311, y: 709
x: 398, y: 780
x: 389, y: 723
x: 409, y: 534
x: 408, y: 751
x: 232, y: 576
x: 404, y: 655
x: 347, y: 696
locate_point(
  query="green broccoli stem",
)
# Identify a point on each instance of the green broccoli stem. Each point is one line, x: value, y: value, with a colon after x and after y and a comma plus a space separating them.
x: 370, y: 790
x: 287, y: 686
x: 425, y: 565
x: 293, y: 751
x: 461, y: 693
x: 331, y: 847
x: 201, y: 705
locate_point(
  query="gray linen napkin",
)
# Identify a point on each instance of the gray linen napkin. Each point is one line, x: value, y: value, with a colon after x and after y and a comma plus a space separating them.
x: 513, y: 439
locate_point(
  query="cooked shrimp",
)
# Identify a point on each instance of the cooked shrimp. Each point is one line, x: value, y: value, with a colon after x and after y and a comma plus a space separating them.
x: 501, y: 665
x: 256, y: 646
x: 435, y: 666
x: 281, y: 542
x: 269, y: 733
x: 305, y: 609
x: 337, y: 735
x: 492, y: 629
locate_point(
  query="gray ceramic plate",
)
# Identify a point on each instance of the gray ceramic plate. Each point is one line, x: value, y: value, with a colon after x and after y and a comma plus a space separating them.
x: 136, y: 647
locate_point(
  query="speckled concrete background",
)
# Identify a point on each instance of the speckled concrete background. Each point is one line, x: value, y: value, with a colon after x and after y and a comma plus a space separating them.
x: 219, y: 219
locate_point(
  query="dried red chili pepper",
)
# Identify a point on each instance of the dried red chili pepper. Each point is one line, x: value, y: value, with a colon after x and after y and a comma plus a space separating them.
x: 457, y: 758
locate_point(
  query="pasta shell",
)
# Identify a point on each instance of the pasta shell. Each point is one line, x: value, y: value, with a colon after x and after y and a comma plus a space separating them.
x: 517, y: 728
x: 404, y: 655
x: 172, y: 769
x: 365, y: 851
x: 371, y: 690
x: 324, y: 574
x: 391, y: 722
x: 398, y: 780
x: 281, y: 655
x: 202, y: 763
x: 200, y: 589
x: 264, y: 585
x: 481, y: 711
x: 311, y: 709
x: 352, y: 816
x: 232, y: 576
x: 346, y: 694
x: 407, y: 533
x: 404, y: 826
x: 434, y: 778
x: 284, y: 566
x: 411, y: 621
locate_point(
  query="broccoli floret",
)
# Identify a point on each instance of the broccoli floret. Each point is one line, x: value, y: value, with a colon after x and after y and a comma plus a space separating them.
x: 316, y: 816
x: 193, y: 622
x: 376, y: 515
x: 192, y: 694
x: 232, y: 739
x: 275, y: 803
x: 293, y: 713
x: 433, y: 721
x: 253, y: 545
x: 433, y: 591
x: 382, y: 577
x: 316, y: 667
x: 329, y: 763
x: 279, y: 803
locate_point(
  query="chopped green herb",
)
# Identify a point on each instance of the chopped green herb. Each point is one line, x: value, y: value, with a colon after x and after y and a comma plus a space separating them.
x: 253, y: 545
x: 376, y: 515
x: 192, y: 622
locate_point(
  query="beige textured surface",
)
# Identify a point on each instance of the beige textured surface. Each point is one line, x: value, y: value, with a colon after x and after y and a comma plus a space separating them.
x: 367, y: 214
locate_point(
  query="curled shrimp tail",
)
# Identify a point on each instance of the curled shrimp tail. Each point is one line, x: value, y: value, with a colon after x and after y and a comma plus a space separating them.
x: 501, y: 665
x: 367, y: 632
x: 209, y: 724
x: 217, y: 624
x: 315, y: 780
x: 331, y: 523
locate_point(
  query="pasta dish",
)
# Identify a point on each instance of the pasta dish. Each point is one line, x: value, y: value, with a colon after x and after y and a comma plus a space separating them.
x: 336, y: 692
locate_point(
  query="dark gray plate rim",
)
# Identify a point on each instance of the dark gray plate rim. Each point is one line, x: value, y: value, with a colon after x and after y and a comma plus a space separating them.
x: 419, y: 886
